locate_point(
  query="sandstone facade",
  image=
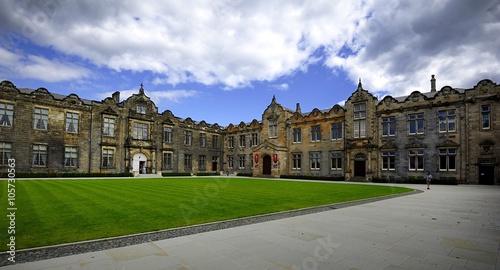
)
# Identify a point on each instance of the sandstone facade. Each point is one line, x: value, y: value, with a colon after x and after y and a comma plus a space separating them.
x: 451, y: 133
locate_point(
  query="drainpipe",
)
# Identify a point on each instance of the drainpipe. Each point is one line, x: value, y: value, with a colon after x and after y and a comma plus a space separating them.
x: 90, y: 139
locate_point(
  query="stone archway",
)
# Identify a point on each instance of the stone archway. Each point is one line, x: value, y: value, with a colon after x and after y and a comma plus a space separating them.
x: 360, y: 165
x: 266, y: 165
x: 139, y: 163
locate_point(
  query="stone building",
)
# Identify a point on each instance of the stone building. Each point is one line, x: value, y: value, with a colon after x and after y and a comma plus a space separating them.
x: 451, y: 133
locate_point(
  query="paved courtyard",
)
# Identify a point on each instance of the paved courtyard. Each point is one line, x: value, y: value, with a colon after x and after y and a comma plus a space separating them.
x: 447, y: 227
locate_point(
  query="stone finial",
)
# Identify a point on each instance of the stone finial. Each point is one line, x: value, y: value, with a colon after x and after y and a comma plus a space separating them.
x: 360, y: 86
x: 141, y: 90
x: 433, y: 84
x: 297, y: 109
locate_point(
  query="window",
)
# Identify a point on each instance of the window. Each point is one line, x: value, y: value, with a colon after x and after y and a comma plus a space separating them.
x: 108, y: 157
x: 167, y: 161
x: 273, y: 128
x: 336, y: 161
x: 389, y: 126
x: 167, y: 134
x: 188, y: 137
x: 360, y: 120
x: 70, y: 156
x: 388, y: 160
x: 41, y: 117
x: 255, y: 139
x: 297, y: 161
x: 6, y: 114
x: 230, y: 162
x: 297, y: 135
x: 337, y: 131
x: 72, y: 122
x: 141, y: 109
x: 315, y: 161
x: 416, y: 123
x: 242, y: 140
x: 39, y: 155
x: 315, y: 134
x: 486, y: 116
x: 188, y: 162
x: 215, y: 141
x: 202, y: 163
x: 141, y: 131
x: 230, y: 142
x: 203, y: 140
x: 108, y: 127
x: 5, y: 153
x: 447, y: 121
x: 447, y: 159
x: 241, y: 161
x: 416, y: 160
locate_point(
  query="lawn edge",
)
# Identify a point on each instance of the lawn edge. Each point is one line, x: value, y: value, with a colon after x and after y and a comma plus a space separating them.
x: 67, y: 249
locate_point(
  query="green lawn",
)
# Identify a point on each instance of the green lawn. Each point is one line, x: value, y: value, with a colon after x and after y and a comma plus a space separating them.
x: 60, y: 211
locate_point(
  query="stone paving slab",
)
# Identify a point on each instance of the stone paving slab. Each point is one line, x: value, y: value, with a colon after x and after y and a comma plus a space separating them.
x: 447, y: 227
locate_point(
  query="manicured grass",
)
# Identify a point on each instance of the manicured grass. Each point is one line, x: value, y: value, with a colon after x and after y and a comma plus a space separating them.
x: 60, y: 211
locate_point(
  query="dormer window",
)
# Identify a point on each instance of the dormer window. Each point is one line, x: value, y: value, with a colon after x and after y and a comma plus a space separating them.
x: 141, y: 109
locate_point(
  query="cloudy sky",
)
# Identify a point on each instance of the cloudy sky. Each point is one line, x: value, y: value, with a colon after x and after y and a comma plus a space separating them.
x: 222, y: 61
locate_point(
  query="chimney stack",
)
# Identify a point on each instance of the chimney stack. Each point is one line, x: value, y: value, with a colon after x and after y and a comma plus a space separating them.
x: 116, y: 97
x: 433, y: 84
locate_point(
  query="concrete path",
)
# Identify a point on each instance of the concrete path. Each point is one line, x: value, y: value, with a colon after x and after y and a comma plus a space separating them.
x: 447, y: 227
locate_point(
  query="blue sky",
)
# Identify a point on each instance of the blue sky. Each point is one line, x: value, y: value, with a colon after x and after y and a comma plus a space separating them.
x: 222, y: 61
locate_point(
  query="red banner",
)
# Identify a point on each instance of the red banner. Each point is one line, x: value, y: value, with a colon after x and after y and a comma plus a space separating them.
x: 256, y: 158
x: 275, y: 158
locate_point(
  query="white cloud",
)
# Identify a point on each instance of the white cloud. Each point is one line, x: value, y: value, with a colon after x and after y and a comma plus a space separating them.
x: 38, y: 67
x: 175, y: 96
x: 393, y: 46
x: 399, y: 48
x: 227, y: 42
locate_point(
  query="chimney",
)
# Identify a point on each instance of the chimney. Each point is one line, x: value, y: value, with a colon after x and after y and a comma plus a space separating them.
x: 433, y: 84
x: 116, y: 96
x: 297, y: 109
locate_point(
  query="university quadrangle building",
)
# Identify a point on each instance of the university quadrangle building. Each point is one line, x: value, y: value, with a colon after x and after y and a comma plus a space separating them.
x: 453, y: 133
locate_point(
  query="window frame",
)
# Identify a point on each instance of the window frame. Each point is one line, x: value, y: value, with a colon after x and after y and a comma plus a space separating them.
x: 388, y: 160
x: 40, y: 155
x: 296, y: 161
x: 359, y: 119
x: 447, y: 154
x: 5, y: 108
x: 73, y: 156
x: 108, y: 124
x: 108, y: 158
x: 316, y: 133
x: 487, y: 113
x: 418, y: 156
x: 445, y: 120
x: 72, y: 121
x: 336, y: 161
x: 416, y: 120
x: 5, y: 153
x: 38, y: 114
x: 297, y: 135
x: 388, y: 126
x: 337, y: 131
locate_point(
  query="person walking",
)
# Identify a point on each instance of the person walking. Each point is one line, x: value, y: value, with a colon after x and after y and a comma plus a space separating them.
x: 428, y: 179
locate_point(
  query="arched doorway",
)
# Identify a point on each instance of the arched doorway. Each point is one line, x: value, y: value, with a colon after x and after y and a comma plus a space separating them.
x: 139, y: 163
x: 360, y: 165
x: 266, y: 165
